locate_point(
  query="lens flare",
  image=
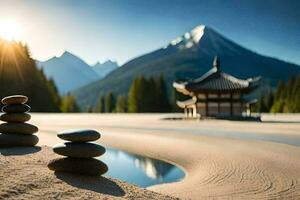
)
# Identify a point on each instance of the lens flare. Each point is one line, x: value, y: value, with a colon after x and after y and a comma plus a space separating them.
x: 10, y: 30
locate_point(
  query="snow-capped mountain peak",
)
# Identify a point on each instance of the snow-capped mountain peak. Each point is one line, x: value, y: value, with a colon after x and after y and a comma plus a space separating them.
x: 197, y: 33
x: 189, y: 39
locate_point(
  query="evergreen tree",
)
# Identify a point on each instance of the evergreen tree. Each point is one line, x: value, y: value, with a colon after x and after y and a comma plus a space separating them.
x: 20, y: 75
x: 139, y: 97
x: 278, y: 106
x: 296, y: 92
x: 148, y: 96
x: 162, y: 98
x: 269, y: 101
x: 280, y: 91
x: 53, y: 91
x: 110, y: 102
x: 262, y: 105
x: 133, y: 96
x: 287, y: 97
x: 69, y: 104
x: 142, y: 95
x: 89, y: 109
x: 121, y: 104
x: 100, y: 107
x: 51, y: 87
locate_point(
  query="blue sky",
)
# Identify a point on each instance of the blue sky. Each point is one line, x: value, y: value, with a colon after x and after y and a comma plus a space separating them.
x: 123, y: 29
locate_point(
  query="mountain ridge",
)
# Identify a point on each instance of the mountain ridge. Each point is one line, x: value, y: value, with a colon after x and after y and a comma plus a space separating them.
x: 177, y: 62
x: 102, y: 69
x: 70, y: 71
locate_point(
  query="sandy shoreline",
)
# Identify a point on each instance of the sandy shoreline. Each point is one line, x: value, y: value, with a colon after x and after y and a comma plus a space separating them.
x: 217, y: 167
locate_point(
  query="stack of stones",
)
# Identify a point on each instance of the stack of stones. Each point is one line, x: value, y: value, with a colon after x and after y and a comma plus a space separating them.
x: 79, y: 153
x: 15, y: 132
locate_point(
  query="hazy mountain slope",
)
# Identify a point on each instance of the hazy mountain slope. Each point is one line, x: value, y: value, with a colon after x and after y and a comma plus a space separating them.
x: 102, y: 69
x: 189, y: 56
x: 68, y: 71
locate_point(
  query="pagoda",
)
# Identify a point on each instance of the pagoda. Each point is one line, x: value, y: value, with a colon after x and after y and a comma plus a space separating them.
x: 217, y: 94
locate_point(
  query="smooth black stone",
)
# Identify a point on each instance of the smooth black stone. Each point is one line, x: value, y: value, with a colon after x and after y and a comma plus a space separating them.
x: 18, y: 128
x: 14, y: 99
x: 79, y: 150
x: 79, y: 135
x: 16, y: 108
x: 18, y: 140
x: 15, y: 117
x: 84, y: 166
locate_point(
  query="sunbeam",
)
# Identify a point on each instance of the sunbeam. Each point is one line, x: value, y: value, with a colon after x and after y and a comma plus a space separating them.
x: 10, y: 29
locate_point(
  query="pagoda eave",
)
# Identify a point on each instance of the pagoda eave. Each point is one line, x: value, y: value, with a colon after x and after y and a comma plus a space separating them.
x: 219, y: 91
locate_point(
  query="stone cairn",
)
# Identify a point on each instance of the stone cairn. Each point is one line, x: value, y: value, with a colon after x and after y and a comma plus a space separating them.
x: 15, y: 132
x: 79, y: 153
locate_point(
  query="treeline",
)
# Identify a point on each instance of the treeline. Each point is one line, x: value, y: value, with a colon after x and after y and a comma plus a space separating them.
x: 65, y: 103
x: 20, y: 75
x: 145, y: 95
x: 285, y: 99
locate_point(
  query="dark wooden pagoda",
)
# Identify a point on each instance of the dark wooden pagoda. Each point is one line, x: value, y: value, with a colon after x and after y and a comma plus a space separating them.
x: 217, y: 94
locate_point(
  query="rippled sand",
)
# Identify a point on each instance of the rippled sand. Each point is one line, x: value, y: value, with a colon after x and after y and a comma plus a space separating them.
x: 24, y: 175
x: 217, y: 166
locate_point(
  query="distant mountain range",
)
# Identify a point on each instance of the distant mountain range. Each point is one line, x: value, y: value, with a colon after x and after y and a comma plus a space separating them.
x: 69, y: 72
x: 102, y: 69
x: 188, y: 57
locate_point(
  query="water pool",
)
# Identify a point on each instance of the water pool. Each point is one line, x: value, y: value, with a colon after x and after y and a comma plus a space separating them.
x: 139, y: 170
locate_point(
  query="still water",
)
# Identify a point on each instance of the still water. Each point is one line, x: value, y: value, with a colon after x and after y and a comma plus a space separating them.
x: 139, y: 170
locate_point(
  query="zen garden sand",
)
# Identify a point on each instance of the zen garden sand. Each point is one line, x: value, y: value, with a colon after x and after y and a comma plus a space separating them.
x: 217, y: 165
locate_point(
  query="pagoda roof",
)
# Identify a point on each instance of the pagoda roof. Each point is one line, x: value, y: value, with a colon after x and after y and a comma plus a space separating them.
x: 186, y: 103
x: 216, y: 81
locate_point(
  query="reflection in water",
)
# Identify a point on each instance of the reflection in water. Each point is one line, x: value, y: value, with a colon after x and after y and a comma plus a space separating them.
x: 139, y: 170
x: 153, y: 168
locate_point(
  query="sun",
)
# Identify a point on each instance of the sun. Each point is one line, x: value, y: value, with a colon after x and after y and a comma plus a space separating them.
x: 10, y: 29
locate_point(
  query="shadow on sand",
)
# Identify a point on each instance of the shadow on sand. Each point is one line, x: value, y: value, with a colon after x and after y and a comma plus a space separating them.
x: 97, y: 184
x: 15, y: 151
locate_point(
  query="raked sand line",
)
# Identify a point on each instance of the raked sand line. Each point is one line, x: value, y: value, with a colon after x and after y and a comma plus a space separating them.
x: 24, y: 175
x: 216, y: 167
x: 221, y: 168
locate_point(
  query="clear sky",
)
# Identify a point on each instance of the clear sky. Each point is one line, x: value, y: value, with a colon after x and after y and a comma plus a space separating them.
x: 123, y: 29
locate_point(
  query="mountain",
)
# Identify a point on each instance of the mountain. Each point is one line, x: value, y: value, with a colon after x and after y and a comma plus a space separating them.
x: 187, y: 57
x: 68, y: 71
x: 19, y: 75
x: 102, y: 69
